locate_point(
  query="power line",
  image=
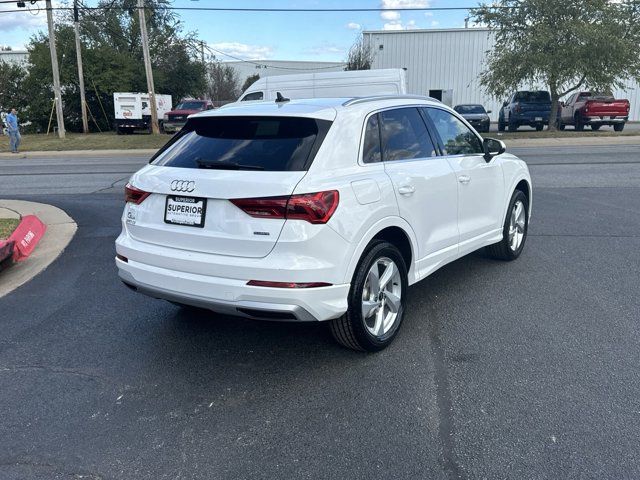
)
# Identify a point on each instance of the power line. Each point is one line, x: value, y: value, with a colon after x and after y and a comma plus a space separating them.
x: 282, y: 10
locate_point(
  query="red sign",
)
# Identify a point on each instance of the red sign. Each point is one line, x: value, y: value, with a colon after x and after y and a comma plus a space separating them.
x: 26, y: 236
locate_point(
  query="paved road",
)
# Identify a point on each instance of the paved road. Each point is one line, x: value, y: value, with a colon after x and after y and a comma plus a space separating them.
x: 527, y: 370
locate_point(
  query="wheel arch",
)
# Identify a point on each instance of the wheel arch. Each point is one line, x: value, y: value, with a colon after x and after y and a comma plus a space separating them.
x: 394, y: 230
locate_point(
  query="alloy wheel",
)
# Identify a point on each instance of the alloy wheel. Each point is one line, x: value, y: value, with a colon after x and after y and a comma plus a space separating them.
x: 381, y: 296
x: 517, y: 226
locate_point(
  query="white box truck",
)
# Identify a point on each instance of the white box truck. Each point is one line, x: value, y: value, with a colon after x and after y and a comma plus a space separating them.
x: 133, y: 111
x: 354, y: 83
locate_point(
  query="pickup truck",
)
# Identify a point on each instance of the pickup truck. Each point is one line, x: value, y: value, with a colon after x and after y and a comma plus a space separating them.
x: 176, y: 118
x: 525, y: 108
x: 593, y: 109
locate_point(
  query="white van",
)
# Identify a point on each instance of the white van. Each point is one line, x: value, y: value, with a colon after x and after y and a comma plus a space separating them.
x: 354, y: 83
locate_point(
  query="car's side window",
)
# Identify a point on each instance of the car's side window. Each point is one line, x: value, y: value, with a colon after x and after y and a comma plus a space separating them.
x: 253, y: 96
x: 456, y: 137
x: 405, y: 135
x: 371, y: 151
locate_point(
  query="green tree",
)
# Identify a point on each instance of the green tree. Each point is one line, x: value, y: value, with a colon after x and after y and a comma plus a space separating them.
x: 565, y: 45
x: 113, y: 61
x: 12, y: 91
x: 250, y: 80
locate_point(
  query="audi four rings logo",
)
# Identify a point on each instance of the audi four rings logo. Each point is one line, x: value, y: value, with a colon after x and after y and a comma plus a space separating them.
x: 183, y: 186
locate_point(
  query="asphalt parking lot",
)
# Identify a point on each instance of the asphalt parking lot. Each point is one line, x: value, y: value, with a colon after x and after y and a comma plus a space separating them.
x: 526, y: 370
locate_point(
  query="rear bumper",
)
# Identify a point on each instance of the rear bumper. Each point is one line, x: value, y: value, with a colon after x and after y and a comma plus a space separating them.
x: 604, y: 121
x: 235, y: 297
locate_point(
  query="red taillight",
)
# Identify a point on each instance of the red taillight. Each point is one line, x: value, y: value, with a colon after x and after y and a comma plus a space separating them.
x: 269, y: 207
x: 314, y: 208
x: 263, y: 283
x: 517, y: 109
x: 134, y: 195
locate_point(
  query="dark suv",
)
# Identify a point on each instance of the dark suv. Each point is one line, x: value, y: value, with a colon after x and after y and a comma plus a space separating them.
x: 525, y: 108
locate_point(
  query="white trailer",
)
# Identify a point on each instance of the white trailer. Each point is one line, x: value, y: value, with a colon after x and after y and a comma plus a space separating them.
x: 133, y: 110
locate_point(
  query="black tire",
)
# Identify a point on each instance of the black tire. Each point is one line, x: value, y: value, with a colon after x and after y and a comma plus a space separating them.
x: 595, y: 127
x: 502, y: 250
x: 119, y: 131
x: 513, y: 126
x: 539, y: 128
x: 350, y: 329
x: 578, y: 123
x: 501, y: 125
x: 618, y: 127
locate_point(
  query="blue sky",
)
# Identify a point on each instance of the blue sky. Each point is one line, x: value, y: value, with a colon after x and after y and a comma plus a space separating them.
x: 280, y: 36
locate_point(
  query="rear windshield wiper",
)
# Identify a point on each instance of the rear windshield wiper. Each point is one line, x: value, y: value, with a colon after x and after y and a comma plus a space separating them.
x: 215, y: 165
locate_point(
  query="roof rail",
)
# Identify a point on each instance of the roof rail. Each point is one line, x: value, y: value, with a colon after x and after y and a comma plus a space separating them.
x: 358, y: 100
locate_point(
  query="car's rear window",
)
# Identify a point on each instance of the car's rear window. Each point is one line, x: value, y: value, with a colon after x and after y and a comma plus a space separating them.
x: 469, y: 109
x: 533, y: 97
x: 251, y: 143
x: 190, y: 106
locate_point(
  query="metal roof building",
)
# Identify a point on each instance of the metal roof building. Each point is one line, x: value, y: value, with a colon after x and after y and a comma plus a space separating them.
x: 446, y: 64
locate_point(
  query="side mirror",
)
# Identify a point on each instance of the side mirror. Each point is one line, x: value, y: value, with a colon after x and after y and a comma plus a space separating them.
x: 493, y: 147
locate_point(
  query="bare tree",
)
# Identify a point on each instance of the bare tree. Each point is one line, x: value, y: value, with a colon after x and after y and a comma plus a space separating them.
x: 223, y: 82
x: 360, y: 55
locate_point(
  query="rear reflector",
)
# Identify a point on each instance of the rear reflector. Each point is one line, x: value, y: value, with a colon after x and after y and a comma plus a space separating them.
x: 262, y: 283
x: 134, y: 195
x: 314, y: 208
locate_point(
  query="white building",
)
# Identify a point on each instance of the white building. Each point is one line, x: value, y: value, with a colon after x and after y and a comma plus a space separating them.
x: 16, y: 57
x: 446, y: 64
x: 267, y: 68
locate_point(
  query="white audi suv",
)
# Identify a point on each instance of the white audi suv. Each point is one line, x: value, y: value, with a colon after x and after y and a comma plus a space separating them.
x: 319, y: 210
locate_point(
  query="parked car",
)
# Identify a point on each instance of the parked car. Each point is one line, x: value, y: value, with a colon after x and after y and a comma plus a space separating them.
x: 175, y: 119
x: 319, y: 210
x: 593, y: 109
x: 476, y: 115
x: 388, y: 81
x: 525, y: 108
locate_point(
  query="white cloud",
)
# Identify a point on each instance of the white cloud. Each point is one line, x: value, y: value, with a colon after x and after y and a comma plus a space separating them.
x: 21, y: 20
x: 242, y: 50
x: 393, y: 18
x: 393, y: 26
x: 392, y: 4
x: 353, y: 26
x: 435, y: 23
x: 390, y: 15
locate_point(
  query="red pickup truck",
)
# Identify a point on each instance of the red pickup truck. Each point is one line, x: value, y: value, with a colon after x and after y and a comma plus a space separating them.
x: 593, y: 109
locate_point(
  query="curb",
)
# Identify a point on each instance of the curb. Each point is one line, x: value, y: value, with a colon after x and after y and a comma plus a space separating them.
x: 142, y: 152
x: 60, y: 230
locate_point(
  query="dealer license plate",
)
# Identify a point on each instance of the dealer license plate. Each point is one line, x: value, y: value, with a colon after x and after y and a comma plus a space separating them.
x: 538, y: 119
x: 189, y: 211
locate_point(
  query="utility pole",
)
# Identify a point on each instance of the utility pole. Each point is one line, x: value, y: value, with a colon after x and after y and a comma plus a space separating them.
x: 56, y: 73
x: 147, y: 68
x: 83, y: 103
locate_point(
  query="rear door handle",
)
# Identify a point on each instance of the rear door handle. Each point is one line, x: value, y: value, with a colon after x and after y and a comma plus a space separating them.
x: 464, y: 179
x: 406, y: 189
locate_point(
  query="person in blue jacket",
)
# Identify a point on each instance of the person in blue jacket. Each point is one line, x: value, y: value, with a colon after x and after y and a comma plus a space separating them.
x: 14, y: 131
